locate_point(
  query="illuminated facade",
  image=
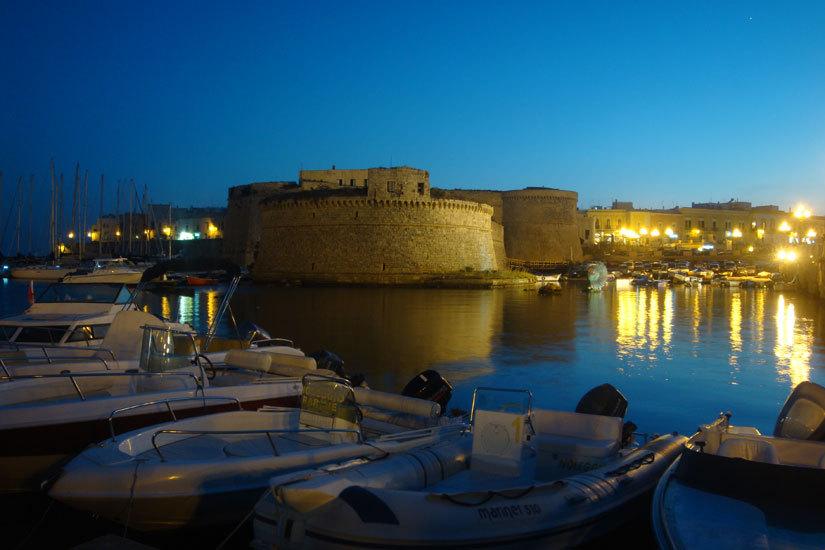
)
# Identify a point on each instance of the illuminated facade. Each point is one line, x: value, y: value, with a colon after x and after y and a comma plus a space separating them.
x: 728, y: 226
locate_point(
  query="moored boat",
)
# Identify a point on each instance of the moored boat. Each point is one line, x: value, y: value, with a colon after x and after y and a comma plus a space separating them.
x: 107, y: 270
x: 734, y: 487
x: 40, y: 272
x: 520, y: 478
x: 211, y: 470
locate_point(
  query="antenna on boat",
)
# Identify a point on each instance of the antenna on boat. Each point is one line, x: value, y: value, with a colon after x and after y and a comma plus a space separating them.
x: 233, y: 285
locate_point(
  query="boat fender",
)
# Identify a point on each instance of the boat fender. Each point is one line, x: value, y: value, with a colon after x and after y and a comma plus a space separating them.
x: 368, y: 506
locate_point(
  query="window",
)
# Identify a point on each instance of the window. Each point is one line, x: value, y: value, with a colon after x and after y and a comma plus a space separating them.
x: 420, y: 187
x: 88, y: 332
x: 687, y: 224
x: 352, y: 183
x: 40, y: 335
x: 587, y: 234
x: 714, y: 225
x: 608, y: 223
x: 340, y: 183
x: 597, y: 223
x: 702, y: 224
x: 365, y: 182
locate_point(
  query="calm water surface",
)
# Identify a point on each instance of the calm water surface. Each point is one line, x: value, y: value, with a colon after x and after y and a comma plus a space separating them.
x: 680, y: 355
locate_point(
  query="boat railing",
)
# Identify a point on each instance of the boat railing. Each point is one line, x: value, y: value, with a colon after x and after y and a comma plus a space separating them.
x: 265, y: 342
x: 50, y: 358
x: 268, y: 434
x: 10, y: 376
x: 168, y: 402
x: 73, y: 376
x: 424, y: 432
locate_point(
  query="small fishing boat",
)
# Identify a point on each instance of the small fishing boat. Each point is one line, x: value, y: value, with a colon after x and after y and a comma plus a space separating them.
x: 733, y: 487
x: 46, y: 418
x: 40, y: 272
x: 211, y: 470
x: 520, y: 478
x: 194, y: 280
x: 107, y: 270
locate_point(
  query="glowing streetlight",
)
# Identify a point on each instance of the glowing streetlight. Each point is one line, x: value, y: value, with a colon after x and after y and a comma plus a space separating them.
x: 811, y: 234
x: 784, y: 226
x: 654, y: 233
x: 643, y: 231
x: 167, y: 230
x: 736, y: 233
x: 802, y: 212
x: 71, y: 235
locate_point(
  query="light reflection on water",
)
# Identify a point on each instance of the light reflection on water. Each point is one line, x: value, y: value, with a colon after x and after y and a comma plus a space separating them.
x: 680, y: 355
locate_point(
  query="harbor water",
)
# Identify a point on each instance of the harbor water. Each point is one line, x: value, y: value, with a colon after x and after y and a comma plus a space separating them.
x: 679, y: 354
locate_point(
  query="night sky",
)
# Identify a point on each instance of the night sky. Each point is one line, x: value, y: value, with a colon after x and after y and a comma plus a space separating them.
x: 660, y: 103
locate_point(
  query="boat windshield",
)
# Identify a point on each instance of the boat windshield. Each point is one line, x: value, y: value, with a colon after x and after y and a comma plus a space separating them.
x: 164, y: 349
x: 91, y: 293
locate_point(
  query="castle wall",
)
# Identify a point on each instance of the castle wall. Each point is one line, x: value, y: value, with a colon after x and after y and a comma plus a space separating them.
x: 540, y: 225
x: 243, y: 220
x: 332, y: 179
x: 368, y: 240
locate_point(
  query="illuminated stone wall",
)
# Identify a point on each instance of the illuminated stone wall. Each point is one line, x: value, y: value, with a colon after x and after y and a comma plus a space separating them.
x: 372, y: 240
x: 243, y: 220
x: 539, y: 224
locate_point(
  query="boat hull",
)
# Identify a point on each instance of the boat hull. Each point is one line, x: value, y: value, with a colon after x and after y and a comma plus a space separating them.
x: 33, y: 455
x: 39, y: 274
x: 561, y: 513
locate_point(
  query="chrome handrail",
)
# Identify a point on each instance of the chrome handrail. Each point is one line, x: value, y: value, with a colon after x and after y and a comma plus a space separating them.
x: 268, y: 433
x: 509, y: 390
x: 168, y: 403
x: 73, y: 375
x: 50, y: 359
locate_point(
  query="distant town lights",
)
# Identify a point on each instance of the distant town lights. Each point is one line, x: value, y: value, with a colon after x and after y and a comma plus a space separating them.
x: 167, y: 230
x: 643, y: 231
x: 654, y: 233
x: 71, y: 235
x: 669, y: 232
x: 802, y: 212
x: 786, y: 255
x: 784, y: 226
x: 737, y: 233
x: 811, y: 234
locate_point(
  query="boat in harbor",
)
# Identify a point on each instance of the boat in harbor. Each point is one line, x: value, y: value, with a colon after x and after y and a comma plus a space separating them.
x: 734, y: 487
x: 41, y: 272
x: 46, y: 419
x: 211, y: 470
x: 518, y: 478
x: 76, y: 315
x: 107, y: 270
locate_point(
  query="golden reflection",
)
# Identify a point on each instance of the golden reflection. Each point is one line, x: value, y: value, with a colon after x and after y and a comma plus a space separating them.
x: 644, y: 323
x: 667, y: 318
x: 735, y: 326
x: 165, y: 307
x: 211, y: 306
x: 758, y: 321
x: 793, y: 343
x: 697, y: 316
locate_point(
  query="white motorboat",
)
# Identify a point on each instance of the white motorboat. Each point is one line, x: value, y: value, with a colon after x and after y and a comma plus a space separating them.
x: 520, y: 478
x: 67, y: 315
x: 46, y: 419
x: 733, y: 487
x: 108, y: 270
x: 211, y: 470
x: 41, y: 272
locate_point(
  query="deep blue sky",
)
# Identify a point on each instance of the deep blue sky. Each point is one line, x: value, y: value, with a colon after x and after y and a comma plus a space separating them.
x: 660, y: 103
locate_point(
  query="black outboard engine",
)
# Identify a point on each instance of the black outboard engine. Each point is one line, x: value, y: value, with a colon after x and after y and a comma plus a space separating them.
x: 431, y: 386
x: 606, y: 400
x: 802, y: 414
x: 328, y: 360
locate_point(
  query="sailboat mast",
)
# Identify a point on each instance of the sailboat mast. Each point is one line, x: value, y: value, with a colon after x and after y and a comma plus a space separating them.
x: 51, y: 207
x: 131, y: 196
x: 100, y: 221
x: 82, y: 235
x: 19, y: 210
x: 31, y: 192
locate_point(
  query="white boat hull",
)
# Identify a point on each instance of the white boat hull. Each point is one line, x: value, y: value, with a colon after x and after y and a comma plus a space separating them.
x: 39, y: 274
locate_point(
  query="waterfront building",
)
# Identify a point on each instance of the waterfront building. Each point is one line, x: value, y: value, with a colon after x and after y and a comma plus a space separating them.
x: 733, y: 225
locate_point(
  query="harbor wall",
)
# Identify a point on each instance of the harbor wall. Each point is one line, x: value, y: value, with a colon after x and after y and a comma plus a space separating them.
x: 243, y: 218
x: 369, y: 240
x: 811, y: 276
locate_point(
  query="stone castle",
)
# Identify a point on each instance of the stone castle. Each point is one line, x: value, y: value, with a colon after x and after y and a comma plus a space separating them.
x: 385, y: 225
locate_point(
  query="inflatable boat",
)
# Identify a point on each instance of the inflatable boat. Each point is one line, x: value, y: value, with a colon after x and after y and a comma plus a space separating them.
x: 736, y: 488
x: 210, y: 470
x: 519, y: 478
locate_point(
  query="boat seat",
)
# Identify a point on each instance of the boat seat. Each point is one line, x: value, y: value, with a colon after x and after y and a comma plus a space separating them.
x: 248, y: 359
x: 749, y: 449
x: 577, y: 434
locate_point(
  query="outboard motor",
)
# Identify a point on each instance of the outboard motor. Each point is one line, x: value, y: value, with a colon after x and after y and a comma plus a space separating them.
x: 430, y: 385
x: 803, y: 414
x: 606, y: 400
x: 330, y: 361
